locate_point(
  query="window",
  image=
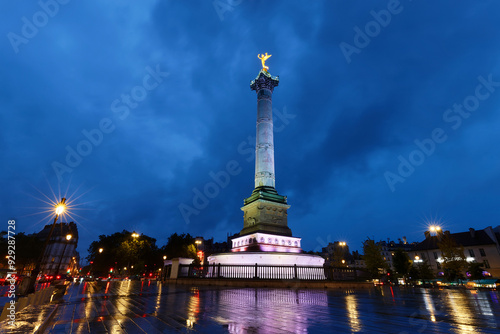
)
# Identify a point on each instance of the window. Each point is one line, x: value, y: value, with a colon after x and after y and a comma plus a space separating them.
x: 471, y: 253
x: 481, y: 251
x: 435, y: 255
x: 486, y: 264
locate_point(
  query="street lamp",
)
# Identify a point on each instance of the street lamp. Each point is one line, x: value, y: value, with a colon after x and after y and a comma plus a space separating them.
x: 434, y: 228
x: 135, y: 235
x: 100, y: 250
x: 68, y: 238
x: 164, y: 257
x: 59, y: 209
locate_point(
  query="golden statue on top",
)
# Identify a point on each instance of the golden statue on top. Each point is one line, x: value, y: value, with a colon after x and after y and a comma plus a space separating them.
x: 263, y: 59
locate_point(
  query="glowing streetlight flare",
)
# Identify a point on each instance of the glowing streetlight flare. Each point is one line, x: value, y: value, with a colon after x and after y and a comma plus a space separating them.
x: 434, y: 228
x: 61, y: 207
x: 135, y: 235
x: 68, y: 237
x: 100, y: 250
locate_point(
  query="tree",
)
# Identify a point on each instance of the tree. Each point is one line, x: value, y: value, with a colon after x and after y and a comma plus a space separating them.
x: 425, y: 270
x: 374, y: 260
x: 421, y: 271
x: 475, y: 270
x: 27, y: 250
x: 454, y: 261
x: 401, y: 262
x: 120, y: 250
x: 180, y: 246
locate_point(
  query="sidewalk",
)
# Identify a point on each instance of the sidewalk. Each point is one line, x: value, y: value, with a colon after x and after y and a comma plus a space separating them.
x: 124, y: 307
x: 150, y: 307
x: 29, y: 319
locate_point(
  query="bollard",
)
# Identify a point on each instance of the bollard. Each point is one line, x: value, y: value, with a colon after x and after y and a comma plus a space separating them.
x: 21, y: 303
x: 36, y: 298
x: 31, y: 298
x: 5, y: 311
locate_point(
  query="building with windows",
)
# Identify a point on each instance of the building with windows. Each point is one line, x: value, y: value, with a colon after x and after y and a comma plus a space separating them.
x: 337, y: 254
x: 481, y: 246
x: 389, y: 247
x: 60, y: 254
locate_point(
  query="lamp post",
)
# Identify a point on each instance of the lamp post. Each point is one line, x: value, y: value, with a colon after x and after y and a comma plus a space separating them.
x: 100, y: 252
x: 68, y: 238
x: 59, y: 209
x: 134, y: 236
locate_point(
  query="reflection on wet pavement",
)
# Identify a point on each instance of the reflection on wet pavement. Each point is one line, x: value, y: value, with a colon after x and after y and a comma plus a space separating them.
x: 150, y: 307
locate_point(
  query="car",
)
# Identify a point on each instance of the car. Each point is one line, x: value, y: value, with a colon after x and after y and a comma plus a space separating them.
x: 46, y: 279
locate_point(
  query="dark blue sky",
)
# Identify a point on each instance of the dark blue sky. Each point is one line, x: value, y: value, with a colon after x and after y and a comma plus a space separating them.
x: 386, y: 115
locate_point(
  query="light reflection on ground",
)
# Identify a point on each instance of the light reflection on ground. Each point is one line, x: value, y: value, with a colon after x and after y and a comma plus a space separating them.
x: 148, y: 306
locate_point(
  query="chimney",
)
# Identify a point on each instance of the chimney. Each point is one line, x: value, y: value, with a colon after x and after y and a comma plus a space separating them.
x: 472, y: 232
x: 427, y: 234
x: 439, y: 233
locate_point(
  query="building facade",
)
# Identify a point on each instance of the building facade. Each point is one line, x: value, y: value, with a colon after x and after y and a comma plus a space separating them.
x: 60, y: 255
x: 480, y: 246
x: 389, y: 247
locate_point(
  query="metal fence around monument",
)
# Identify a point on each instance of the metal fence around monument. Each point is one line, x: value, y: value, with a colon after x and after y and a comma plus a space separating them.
x: 232, y: 271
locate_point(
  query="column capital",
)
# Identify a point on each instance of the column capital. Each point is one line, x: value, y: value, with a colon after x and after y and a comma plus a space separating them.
x: 264, y: 81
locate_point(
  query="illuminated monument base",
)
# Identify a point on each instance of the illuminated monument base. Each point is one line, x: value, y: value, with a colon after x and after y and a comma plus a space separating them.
x: 309, y: 267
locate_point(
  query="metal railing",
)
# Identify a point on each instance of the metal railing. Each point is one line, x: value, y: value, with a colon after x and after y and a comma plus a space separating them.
x: 257, y: 271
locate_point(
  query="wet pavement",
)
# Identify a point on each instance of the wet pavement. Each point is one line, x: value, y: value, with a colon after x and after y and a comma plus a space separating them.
x: 150, y: 307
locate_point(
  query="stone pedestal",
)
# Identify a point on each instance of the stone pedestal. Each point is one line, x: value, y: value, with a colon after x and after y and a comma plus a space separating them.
x: 265, y: 216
